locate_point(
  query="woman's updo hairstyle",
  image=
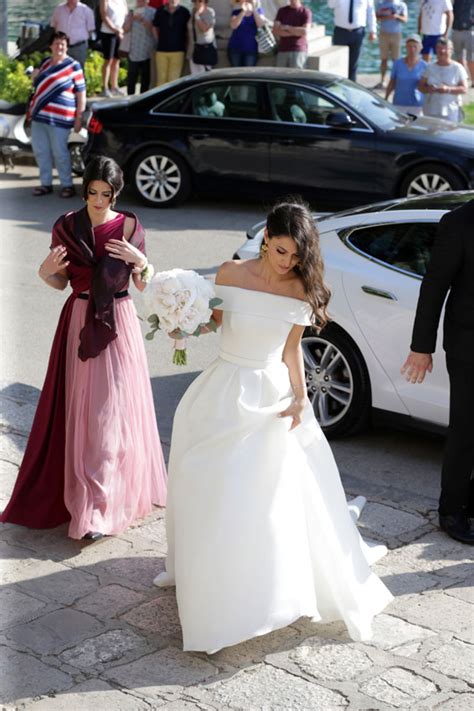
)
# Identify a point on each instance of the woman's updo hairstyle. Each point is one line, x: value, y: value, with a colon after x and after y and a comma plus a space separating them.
x: 293, y: 218
x: 105, y: 169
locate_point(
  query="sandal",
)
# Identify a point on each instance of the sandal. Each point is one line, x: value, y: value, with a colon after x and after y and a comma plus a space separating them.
x: 42, y: 190
x: 67, y: 192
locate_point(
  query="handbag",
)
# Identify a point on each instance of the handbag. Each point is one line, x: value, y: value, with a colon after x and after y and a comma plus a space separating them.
x: 266, y: 41
x: 124, y: 46
x: 205, y: 54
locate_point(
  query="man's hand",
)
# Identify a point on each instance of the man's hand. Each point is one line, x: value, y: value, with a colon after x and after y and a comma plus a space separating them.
x: 372, y: 36
x: 415, y: 367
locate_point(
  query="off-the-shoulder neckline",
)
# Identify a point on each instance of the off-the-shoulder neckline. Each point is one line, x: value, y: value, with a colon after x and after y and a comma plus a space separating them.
x: 259, y: 291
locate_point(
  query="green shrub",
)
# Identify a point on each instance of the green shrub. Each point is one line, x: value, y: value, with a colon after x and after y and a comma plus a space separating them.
x: 16, y: 86
x: 469, y: 114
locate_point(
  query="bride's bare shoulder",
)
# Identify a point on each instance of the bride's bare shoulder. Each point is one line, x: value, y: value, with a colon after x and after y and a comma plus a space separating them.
x: 231, y: 272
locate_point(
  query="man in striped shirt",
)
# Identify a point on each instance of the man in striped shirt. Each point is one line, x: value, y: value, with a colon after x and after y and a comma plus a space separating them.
x: 55, y: 108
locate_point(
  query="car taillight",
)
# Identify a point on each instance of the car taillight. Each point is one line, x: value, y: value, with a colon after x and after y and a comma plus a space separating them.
x: 94, y: 125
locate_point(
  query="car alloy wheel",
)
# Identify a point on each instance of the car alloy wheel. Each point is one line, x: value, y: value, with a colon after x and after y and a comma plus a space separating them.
x: 337, y: 381
x: 160, y: 177
x: 431, y: 178
x: 428, y: 183
x: 328, y: 380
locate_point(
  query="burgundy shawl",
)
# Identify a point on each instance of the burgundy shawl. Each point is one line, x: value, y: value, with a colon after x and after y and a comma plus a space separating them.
x: 37, y: 500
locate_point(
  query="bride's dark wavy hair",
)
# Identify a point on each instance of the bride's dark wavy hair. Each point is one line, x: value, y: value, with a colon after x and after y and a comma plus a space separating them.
x: 292, y: 217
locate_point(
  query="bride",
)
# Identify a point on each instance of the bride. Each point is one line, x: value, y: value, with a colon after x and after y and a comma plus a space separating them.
x: 259, y: 531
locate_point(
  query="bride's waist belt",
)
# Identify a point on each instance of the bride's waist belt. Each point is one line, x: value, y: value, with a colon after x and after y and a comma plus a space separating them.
x: 251, y: 362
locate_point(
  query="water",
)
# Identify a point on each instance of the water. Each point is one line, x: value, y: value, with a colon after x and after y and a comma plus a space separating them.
x: 19, y: 10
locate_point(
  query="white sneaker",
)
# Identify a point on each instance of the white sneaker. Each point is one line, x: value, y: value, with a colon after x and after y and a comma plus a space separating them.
x: 106, y: 92
x: 164, y: 580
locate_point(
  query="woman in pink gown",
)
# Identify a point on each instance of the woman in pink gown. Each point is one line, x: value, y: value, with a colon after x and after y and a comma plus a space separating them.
x: 94, y: 455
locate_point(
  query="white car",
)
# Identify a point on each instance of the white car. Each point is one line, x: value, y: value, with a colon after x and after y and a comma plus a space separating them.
x: 375, y: 258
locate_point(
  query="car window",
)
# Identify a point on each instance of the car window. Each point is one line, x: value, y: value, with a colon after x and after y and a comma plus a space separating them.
x: 403, y: 246
x: 229, y: 100
x: 175, y: 105
x: 367, y: 104
x: 299, y: 105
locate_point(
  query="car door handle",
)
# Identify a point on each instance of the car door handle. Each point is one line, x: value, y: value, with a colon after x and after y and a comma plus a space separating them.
x: 379, y: 292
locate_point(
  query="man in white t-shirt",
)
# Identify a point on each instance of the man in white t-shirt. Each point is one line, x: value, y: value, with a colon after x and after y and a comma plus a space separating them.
x: 443, y: 83
x: 434, y: 21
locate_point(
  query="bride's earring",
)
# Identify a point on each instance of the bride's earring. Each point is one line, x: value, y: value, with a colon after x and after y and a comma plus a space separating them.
x: 263, y: 249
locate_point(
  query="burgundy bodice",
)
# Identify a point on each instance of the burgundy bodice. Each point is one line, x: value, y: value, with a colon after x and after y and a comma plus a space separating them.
x: 80, y: 275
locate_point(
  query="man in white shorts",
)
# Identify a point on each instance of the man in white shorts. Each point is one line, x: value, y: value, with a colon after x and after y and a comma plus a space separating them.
x: 463, y: 34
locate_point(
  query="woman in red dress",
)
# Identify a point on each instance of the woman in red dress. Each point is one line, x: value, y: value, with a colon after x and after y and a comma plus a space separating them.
x: 94, y: 456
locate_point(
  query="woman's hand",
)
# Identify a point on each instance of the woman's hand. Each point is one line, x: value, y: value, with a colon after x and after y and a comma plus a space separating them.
x: 122, y: 249
x: 295, y: 411
x: 55, y: 262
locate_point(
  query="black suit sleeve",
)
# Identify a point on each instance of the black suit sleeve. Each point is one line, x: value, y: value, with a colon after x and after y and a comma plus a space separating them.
x: 446, y: 260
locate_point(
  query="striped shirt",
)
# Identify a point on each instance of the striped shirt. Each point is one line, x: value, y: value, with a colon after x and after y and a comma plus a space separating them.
x: 56, y: 86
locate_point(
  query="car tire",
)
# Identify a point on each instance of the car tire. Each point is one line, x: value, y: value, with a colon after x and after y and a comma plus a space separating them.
x: 337, y: 381
x: 430, y: 178
x: 160, y: 178
x: 77, y: 162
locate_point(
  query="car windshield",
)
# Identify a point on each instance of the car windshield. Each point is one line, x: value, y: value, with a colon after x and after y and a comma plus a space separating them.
x: 367, y: 104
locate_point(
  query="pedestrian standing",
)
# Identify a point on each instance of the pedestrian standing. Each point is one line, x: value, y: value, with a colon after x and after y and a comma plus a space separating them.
x: 434, y: 21
x: 170, y: 26
x: 443, y: 83
x: 291, y: 27
x: 406, y: 75
x: 463, y: 34
x: 201, y: 38
x: 155, y: 4
x: 139, y: 24
x: 242, y: 49
x: 392, y: 15
x: 77, y: 21
x: 451, y: 273
x: 113, y: 14
x: 351, y: 18
x: 57, y: 105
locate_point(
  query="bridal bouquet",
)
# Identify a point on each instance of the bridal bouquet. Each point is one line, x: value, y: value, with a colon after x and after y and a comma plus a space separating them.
x: 181, y: 301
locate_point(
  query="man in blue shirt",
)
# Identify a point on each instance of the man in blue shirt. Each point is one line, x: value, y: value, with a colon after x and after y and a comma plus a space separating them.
x: 392, y: 15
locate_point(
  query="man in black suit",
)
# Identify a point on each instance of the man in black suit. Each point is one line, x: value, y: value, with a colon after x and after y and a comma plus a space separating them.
x: 451, y: 268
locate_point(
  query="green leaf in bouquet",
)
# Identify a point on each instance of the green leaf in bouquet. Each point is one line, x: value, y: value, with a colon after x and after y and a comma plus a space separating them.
x: 214, y: 302
x: 150, y: 335
x: 154, y: 320
x: 212, y: 325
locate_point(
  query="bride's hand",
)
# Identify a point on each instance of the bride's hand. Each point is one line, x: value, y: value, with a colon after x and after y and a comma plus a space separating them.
x: 122, y: 249
x: 295, y: 411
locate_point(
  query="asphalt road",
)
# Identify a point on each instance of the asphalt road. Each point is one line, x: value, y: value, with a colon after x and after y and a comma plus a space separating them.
x: 388, y: 465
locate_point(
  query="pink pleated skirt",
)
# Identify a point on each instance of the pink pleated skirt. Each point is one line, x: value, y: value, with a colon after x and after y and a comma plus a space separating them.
x: 114, y: 467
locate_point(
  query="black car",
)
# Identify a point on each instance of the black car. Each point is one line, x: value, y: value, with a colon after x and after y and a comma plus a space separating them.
x: 250, y: 131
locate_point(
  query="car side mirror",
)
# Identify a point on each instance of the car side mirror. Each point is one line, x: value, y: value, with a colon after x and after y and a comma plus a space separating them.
x: 339, y: 119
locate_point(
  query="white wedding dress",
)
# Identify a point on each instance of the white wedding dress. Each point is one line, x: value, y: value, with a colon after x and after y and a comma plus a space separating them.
x: 259, y: 531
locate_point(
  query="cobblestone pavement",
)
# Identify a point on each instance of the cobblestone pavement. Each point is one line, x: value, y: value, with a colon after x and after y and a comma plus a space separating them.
x: 82, y: 626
